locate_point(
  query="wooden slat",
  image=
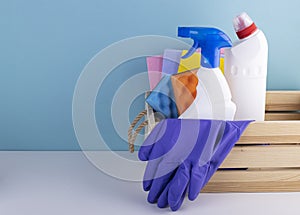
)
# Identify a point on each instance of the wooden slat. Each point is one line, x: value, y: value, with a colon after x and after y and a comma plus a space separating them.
x: 268, y: 156
x: 283, y: 180
x: 274, y: 132
x: 278, y: 186
x: 283, y: 101
x: 277, y: 132
x: 282, y: 116
x: 256, y: 175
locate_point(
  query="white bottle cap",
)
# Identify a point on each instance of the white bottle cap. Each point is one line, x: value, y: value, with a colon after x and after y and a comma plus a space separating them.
x: 243, y: 25
x: 241, y: 22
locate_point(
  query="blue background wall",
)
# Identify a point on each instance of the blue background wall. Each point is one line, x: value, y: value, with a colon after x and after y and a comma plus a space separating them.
x: 45, y: 44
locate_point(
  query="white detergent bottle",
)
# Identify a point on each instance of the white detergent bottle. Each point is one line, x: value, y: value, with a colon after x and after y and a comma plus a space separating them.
x: 213, y: 100
x: 246, y: 69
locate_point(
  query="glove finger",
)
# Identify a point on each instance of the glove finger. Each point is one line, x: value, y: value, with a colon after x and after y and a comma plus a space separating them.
x: 150, y: 172
x: 158, y: 186
x: 161, y: 140
x: 162, y: 201
x: 176, y: 207
x: 178, y: 185
x: 198, y: 176
x: 147, y: 185
x: 155, y: 135
x: 155, y: 169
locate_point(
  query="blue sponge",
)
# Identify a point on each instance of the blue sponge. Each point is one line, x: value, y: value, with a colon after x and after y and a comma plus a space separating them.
x: 162, y: 98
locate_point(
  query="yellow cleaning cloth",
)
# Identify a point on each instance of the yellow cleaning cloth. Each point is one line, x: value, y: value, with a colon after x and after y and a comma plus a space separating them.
x: 193, y: 62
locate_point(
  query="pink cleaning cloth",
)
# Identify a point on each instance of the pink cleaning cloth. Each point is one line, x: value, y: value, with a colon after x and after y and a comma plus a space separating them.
x: 154, y: 65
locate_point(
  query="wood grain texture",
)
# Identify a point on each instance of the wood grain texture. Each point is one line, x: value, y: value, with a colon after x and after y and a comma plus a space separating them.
x: 256, y: 175
x: 282, y: 130
x: 278, y: 180
x: 275, y: 132
x: 263, y: 156
x: 268, y: 152
x: 283, y: 100
x: 282, y: 116
x: 248, y: 187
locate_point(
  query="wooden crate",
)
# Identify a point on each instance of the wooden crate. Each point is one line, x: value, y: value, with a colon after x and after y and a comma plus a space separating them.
x: 267, y: 156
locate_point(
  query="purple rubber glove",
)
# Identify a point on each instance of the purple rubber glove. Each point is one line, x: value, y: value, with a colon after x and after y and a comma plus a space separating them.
x: 204, y: 172
x: 183, y: 155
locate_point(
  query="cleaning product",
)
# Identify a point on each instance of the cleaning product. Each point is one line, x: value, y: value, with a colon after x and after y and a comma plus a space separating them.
x: 171, y: 59
x: 185, y: 89
x: 162, y: 99
x: 193, y: 62
x: 154, y: 65
x: 183, y: 155
x: 213, y: 100
x: 246, y: 69
x: 174, y: 94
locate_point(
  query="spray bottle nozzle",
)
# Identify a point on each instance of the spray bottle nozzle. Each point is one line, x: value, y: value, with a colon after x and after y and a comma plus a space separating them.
x: 210, y: 40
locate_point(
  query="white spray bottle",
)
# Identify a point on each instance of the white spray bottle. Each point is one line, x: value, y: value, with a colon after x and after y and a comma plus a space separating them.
x: 246, y: 69
x: 213, y: 100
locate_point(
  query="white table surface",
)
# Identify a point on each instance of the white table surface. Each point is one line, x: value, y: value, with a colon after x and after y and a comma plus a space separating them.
x: 54, y: 183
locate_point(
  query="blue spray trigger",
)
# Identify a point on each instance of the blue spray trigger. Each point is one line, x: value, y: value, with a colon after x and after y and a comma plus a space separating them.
x: 192, y: 50
x: 210, y: 40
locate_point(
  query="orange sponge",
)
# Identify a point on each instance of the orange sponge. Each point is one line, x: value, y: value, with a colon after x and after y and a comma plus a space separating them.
x: 185, y: 89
